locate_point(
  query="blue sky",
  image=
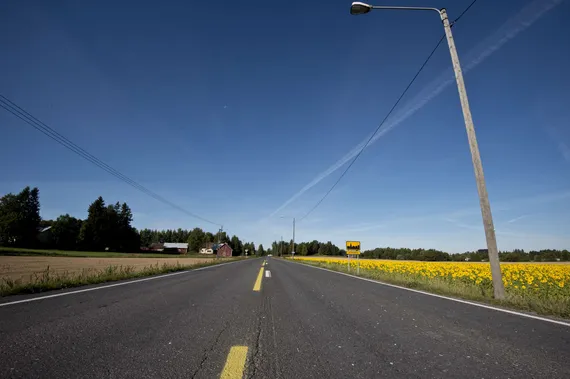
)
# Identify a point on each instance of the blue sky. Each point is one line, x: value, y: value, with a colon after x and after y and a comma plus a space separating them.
x: 243, y: 113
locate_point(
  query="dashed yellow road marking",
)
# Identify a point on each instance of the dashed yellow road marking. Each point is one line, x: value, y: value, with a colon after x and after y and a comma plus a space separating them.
x: 235, y: 363
x: 257, y: 285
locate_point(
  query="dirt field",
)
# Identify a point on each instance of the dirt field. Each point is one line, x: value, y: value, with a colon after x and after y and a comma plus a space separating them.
x: 23, y: 267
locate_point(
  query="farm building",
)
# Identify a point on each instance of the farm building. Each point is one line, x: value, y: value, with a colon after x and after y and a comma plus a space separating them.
x: 182, y: 248
x: 221, y: 250
x: 224, y: 250
x: 154, y: 247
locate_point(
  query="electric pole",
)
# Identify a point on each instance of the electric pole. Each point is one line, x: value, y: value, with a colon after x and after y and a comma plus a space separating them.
x: 358, y: 8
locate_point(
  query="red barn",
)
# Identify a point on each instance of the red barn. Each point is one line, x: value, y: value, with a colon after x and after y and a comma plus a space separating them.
x: 223, y: 250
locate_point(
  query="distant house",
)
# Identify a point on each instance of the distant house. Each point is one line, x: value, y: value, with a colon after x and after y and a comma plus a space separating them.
x: 181, y: 248
x: 156, y: 247
x: 208, y: 248
x: 221, y: 250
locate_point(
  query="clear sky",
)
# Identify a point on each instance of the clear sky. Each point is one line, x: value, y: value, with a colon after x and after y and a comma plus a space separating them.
x: 242, y: 112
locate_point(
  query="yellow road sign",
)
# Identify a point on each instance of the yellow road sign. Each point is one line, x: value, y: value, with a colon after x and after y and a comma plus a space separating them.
x: 352, y: 247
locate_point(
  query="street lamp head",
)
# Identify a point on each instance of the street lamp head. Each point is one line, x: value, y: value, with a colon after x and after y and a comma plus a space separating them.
x: 359, y: 8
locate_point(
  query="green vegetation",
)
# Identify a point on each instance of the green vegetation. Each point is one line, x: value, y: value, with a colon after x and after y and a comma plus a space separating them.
x: 279, y: 248
x: 49, y: 280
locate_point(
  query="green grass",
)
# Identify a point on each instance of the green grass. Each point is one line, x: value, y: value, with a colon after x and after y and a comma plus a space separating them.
x: 50, y: 280
x: 91, y: 254
x: 558, y: 306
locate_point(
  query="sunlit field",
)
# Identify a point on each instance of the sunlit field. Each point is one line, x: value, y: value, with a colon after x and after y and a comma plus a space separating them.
x: 539, y: 287
x: 41, y: 273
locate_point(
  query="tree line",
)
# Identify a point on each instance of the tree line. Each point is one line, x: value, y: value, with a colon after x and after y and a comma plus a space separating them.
x: 517, y: 255
x: 406, y: 254
x: 327, y: 248
x: 314, y: 247
x: 108, y: 227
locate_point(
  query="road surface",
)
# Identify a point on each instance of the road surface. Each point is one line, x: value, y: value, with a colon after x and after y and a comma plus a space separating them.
x: 301, y: 322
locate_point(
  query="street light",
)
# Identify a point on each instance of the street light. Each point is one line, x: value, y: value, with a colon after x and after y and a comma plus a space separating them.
x: 358, y: 8
x: 292, y: 247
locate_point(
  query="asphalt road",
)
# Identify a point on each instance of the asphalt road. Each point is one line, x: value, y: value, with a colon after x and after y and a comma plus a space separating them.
x: 302, y: 323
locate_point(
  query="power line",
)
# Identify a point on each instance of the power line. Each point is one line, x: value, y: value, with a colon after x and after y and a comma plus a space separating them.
x: 388, y: 115
x: 25, y: 116
x: 464, y: 11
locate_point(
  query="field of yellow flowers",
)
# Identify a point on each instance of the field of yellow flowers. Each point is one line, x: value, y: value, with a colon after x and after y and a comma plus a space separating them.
x: 540, y: 287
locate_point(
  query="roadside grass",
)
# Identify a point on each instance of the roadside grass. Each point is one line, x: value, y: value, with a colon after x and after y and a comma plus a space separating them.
x: 10, y: 251
x: 551, y: 305
x: 49, y: 280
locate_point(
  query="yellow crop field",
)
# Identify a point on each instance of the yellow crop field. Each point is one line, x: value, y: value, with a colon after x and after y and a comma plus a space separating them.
x: 541, y: 287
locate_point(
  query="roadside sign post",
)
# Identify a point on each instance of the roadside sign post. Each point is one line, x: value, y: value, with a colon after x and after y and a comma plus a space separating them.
x: 353, y: 248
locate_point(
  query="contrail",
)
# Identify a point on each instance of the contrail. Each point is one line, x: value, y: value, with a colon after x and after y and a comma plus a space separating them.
x: 516, y: 219
x: 509, y: 30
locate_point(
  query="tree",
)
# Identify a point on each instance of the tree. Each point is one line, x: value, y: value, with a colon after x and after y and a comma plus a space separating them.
x: 222, y: 237
x: 92, y: 234
x: 127, y: 238
x: 209, y: 237
x: 250, y: 247
x: 20, y: 218
x: 65, y: 232
x: 9, y: 217
x: 146, y: 237
x: 196, y: 239
x: 260, y: 251
x: 236, y: 246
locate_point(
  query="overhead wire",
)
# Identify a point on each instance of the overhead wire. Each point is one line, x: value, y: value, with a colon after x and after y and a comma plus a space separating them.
x: 387, y: 115
x: 37, y: 124
x: 464, y: 11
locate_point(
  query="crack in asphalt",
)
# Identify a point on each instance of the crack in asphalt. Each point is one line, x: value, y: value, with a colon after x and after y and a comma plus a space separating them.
x: 210, y: 350
x: 255, y: 357
x: 277, y: 366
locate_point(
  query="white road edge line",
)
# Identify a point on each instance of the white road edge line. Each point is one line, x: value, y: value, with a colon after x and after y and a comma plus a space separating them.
x: 113, y: 285
x: 267, y: 274
x: 443, y: 297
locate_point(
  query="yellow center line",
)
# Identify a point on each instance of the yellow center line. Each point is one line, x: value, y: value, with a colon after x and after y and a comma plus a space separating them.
x: 235, y: 364
x: 257, y: 285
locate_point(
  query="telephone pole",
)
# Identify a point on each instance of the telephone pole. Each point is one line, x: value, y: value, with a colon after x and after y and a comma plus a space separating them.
x: 220, y: 234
